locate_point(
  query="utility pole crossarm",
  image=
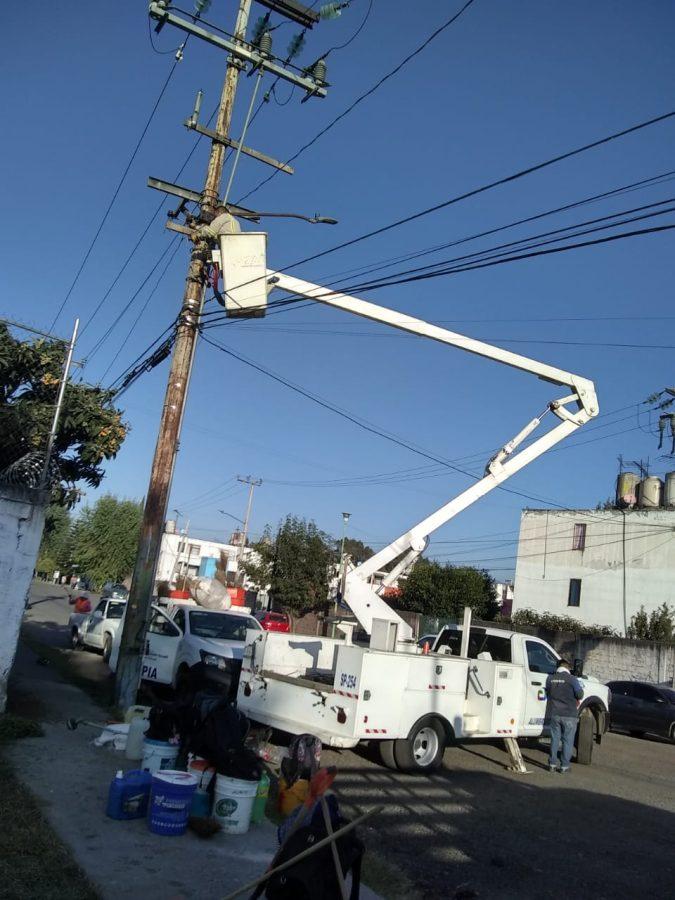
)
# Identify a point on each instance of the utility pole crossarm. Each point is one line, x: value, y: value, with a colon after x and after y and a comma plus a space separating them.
x: 582, y: 387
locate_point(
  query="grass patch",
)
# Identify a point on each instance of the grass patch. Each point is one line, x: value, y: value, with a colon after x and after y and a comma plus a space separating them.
x: 33, y: 860
x: 14, y: 728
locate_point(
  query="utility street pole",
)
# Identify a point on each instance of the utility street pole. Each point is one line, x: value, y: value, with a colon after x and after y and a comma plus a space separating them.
x: 138, y: 604
x: 252, y: 483
x: 44, y: 479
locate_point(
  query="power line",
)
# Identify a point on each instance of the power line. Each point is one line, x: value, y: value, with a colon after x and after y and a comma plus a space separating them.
x: 366, y: 426
x: 133, y: 325
x: 104, y: 337
x: 115, y: 194
x: 623, y: 189
x: 474, y: 192
x: 362, y: 97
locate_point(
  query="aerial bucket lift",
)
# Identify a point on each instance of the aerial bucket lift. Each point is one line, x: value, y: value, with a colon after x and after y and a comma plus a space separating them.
x: 386, y: 628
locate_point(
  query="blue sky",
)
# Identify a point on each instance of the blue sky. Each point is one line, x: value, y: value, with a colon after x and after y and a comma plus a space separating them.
x: 508, y: 85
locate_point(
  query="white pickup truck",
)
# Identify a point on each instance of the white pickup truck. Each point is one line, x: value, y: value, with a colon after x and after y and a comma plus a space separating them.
x: 186, y: 640
x: 97, y: 629
x: 413, y: 704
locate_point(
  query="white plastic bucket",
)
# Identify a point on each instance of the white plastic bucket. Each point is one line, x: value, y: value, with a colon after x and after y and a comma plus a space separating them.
x: 233, y: 803
x: 158, y: 755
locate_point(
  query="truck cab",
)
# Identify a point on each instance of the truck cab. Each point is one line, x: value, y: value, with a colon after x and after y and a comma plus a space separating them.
x: 537, y: 660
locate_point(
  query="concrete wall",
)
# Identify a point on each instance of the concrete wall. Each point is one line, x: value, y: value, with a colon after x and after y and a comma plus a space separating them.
x: 620, y: 571
x: 609, y: 659
x: 22, y: 516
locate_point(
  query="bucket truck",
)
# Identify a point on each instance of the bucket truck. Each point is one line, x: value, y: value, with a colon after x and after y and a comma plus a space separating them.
x: 414, y: 704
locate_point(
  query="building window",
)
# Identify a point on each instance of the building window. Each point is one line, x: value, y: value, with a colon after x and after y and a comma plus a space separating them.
x: 579, y: 538
x: 194, y: 550
x: 574, y: 596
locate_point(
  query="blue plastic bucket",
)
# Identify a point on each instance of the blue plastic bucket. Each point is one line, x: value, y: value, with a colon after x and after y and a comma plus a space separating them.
x: 170, y: 801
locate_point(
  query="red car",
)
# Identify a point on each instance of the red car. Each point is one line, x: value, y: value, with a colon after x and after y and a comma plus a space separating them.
x: 273, y: 621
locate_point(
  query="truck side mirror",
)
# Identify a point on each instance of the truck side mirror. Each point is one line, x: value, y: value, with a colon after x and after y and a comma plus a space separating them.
x: 578, y: 669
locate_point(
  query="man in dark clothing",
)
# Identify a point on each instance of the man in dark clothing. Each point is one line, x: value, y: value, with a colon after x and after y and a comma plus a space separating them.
x: 563, y: 692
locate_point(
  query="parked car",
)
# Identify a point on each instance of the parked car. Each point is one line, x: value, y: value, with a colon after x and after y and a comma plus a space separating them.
x: 114, y: 591
x: 273, y: 621
x: 96, y: 630
x: 188, y: 644
x: 641, y: 708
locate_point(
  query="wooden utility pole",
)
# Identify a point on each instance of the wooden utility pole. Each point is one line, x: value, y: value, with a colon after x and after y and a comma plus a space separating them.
x: 152, y: 528
x: 252, y: 483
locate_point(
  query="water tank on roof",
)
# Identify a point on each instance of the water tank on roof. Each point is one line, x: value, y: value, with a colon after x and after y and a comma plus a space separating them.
x: 170, y: 526
x: 669, y: 491
x: 650, y: 492
x: 626, y: 489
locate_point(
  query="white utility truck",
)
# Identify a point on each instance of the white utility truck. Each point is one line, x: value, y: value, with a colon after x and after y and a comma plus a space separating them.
x: 414, y: 703
x: 185, y: 638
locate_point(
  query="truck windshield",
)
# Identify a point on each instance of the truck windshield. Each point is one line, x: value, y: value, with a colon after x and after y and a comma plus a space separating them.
x: 220, y: 626
x: 116, y: 609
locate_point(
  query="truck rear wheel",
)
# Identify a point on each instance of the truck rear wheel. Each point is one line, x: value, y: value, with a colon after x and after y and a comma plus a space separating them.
x: 422, y: 751
x: 585, y: 737
x: 75, y: 642
x: 386, y: 749
x: 107, y: 647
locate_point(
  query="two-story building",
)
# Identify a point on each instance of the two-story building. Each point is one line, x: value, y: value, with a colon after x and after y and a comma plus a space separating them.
x: 598, y: 566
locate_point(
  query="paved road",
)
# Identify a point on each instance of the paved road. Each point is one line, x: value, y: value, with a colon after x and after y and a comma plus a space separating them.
x: 46, y: 622
x: 476, y: 830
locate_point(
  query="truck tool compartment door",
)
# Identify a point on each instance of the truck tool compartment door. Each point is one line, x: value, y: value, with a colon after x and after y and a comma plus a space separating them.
x: 161, y: 646
x: 540, y: 662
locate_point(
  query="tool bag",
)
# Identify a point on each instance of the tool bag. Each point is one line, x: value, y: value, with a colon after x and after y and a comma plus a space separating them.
x: 314, y: 878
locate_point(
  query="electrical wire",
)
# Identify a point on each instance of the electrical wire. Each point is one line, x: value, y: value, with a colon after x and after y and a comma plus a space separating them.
x: 133, y: 325
x: 118, y: 188
x: 140, y: 239
x: 354, y: 36
x: 361, y: 423
x: 211, y: 320
x: 378, y: 84
x: 474, y: 192
x: 104, y: 337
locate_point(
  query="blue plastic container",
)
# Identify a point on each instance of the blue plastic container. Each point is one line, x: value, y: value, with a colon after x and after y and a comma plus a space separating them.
x: 128, y: 795
x: 170, y: 801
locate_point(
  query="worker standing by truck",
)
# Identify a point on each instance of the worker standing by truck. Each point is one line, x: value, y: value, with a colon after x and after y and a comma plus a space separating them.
x: 563, y: 693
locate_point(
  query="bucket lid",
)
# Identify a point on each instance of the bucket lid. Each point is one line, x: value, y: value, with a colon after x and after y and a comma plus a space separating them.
x: 172, y: 776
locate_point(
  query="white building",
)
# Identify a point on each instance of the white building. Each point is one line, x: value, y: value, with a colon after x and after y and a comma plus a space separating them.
x: 183, y: 556
x: 597, y: 566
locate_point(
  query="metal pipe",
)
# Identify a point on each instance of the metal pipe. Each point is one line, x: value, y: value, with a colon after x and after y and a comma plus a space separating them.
x: 59, y: 405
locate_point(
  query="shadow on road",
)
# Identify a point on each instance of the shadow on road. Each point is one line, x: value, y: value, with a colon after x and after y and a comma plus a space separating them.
x: 507, y: 838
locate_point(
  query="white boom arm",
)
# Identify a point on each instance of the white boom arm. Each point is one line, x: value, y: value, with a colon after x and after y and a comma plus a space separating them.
x: 363, y: 599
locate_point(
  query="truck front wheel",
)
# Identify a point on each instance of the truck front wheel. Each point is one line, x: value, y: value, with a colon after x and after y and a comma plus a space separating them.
x: 75, y: 642
x: 422, y: 751
x: 107, y: 647
x: 585, y: 737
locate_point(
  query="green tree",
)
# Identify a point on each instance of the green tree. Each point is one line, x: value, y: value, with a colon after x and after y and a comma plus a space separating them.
x: 294, y: 563
x: 90, y: 429
x: 659, y: 626
x: 105, y: 539
x: 56, y: 547
x: 357, y: 550
x: 438, y: 590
